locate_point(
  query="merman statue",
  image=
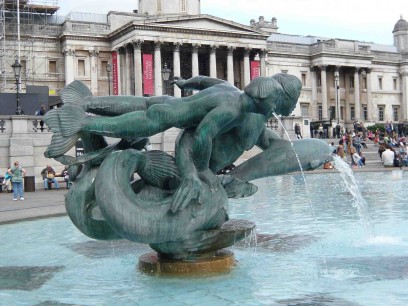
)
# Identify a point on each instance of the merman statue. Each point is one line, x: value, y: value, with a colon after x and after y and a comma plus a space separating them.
x: 178, y: 205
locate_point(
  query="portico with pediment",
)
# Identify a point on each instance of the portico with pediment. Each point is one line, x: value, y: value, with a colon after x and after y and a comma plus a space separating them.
x: 188, y: 46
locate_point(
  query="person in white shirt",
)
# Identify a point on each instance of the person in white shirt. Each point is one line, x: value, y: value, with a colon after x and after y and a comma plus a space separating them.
x: 387, y: 157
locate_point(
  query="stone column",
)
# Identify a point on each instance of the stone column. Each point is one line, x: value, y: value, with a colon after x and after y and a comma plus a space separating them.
x: 230, y: 65
x: 247, y: 68
x: 94, y: 71
x: 213, y: 61
x: 262, y: 59
x: 314, y: 108
x: 357, y: 105
x: 69, y: 55
x: 347, y: 89
x: 176, y: 67
x: 128, y: 71
x: 158, y: 82
x: 325, y: 110
x: 404, y: 101
x: 194, y: 60
x: 137, y: 56
x: 370, y: 114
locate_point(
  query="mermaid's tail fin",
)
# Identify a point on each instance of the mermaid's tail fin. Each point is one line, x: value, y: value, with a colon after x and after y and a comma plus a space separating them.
x: 71, y: 118
x: 60, y: 143
x: 76, y: 93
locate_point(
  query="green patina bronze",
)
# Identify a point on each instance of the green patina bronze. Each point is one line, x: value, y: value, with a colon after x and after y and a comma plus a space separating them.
x: 178, y: 205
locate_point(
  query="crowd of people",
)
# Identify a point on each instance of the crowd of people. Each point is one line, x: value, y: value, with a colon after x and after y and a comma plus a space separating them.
x: 392, y: 148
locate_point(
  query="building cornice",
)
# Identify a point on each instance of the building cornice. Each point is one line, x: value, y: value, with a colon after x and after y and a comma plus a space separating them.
x: 70, y: 36
x: 130, y: 27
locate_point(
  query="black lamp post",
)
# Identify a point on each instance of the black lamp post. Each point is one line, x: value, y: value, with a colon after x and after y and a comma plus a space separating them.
x: 336, y: 81
x: 17, y: 73
x: 166, y: 76
x: 108, y: 70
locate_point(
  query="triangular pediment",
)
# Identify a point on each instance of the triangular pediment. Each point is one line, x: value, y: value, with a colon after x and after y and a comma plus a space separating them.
x: 204, y: 23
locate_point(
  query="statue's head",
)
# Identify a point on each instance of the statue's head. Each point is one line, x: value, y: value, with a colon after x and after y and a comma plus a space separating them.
x: 277, y: 94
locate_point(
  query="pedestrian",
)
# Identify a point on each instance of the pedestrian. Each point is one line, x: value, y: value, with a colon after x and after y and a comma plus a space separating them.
x: 17, y: 174
x: 297, y: 131
x: 338, y: 128
x: 41, y: 112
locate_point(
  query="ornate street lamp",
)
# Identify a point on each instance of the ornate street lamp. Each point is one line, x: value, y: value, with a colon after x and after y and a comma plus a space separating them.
x: 336, y: 81
x: 17, y: 73
x: 108, y: 70
x: 166, y: 76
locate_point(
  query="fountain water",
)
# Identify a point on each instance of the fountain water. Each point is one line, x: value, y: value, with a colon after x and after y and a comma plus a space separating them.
x: 49, y: 261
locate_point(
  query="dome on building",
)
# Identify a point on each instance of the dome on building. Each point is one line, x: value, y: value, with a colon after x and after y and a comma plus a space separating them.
x: 401, y: 25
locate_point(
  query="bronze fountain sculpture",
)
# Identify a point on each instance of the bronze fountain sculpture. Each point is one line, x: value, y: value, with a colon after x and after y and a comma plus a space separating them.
x: 178, y: 205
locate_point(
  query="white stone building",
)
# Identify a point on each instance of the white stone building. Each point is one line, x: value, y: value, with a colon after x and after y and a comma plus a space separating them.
x: 372, y: 78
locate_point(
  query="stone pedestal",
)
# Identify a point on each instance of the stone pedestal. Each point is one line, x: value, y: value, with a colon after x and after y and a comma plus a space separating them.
x: 222, y: 262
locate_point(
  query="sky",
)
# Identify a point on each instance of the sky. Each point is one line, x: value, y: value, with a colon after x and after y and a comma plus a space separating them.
x: 364, y: 20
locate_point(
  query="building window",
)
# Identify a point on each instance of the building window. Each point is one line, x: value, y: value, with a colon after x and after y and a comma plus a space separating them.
x: 394, y: 83
x: 381, y: 113
x: 365, y: 114
x: 103, y: 71
x: 319, y: 80
x: 351, y: 81
x: 305, y: 110
x: 303, y: 79
x: 320, y: 112
x: 352, y: 113
x: 380, y: 83
x: 395, y: 113
x: 52, y: 67
x: 364, y: 80
x: 159, y: 6
x: 332, y: 112
x: 81, y: 67
x: 23, y: 68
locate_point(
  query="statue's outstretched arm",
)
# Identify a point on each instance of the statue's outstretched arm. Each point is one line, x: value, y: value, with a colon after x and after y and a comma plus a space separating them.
x: 281, y: 156
x: 196, y: 83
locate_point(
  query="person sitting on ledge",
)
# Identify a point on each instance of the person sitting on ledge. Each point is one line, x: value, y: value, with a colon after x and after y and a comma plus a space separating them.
x: 48, y: 175
x: 65, y: 175
x: 387, y: 157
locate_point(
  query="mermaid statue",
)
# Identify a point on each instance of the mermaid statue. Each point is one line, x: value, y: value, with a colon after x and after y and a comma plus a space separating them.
x: 176, y: 204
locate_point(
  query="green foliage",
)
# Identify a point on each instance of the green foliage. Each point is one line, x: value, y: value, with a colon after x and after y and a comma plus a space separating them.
x: 376, y: 126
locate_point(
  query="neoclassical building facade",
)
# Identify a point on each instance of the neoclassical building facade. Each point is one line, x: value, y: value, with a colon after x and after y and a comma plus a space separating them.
x: 344, y: 79
x: 371, y: 83
x: 126, y: 53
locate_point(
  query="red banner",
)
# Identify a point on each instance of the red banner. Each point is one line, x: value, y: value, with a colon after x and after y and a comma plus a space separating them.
x: 148, y: 74
x: 115, y: 73
x: 255, y: 69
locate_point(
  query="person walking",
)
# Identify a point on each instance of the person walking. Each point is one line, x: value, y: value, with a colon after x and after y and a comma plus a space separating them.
x: 297, y: 131
x: 17, y: 174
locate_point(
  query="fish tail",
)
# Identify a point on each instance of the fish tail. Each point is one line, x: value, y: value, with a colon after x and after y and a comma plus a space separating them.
x: 59, y: 144
x: 71, y: 119
x: 76, y: 93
